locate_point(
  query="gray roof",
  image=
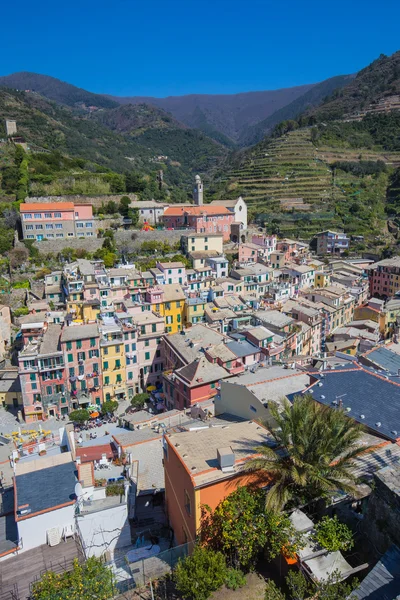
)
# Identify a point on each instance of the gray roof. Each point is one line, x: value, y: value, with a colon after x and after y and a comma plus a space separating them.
x: 151, y: 469
x: 366, y: 394
x: 383, y: 582
x: 273, y: 383
x: 51, y: 339
x: 46, y: 489
x: 79, y: 332
x: 189, y: 343
x: 242, y: 348
x: 273, y: 317
x: 383, y: 357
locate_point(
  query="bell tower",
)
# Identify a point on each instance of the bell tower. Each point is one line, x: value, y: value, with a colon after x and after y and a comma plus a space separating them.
x: 198, y: 191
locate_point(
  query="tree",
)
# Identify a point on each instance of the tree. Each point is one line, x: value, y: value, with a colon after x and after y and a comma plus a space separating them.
x: 240, y: 527
x: 201, y: 573
x: 79, y: 416
x: 272, y: 592
x: 318, y: 445
x: 91, y: 579
x: 124, y: 204
x: 18, y: 256
x: 333, y: 535
x: 109, y: 406
x: 140, y: 400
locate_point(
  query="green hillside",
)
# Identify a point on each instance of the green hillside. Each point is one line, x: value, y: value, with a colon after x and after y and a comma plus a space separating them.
x: 334, y: 195
x: 48, y: 127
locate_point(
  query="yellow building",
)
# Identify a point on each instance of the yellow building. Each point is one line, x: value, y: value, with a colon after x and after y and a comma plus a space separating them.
x: 200, y: 242
x: 169, y: 302
x: 194, y: 310
x: 10, y: 389
x: 322, y: 279
x: 113, y: 362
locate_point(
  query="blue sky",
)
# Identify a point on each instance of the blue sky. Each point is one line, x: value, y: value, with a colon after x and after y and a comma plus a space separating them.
x: 173, y: 47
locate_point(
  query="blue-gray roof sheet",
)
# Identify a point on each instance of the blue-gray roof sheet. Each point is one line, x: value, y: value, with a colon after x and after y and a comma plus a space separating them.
x: 383, y: 582
x: 242, y: 348
x: 365, y: 393
x: 385, y: 358
x: 46, y: 489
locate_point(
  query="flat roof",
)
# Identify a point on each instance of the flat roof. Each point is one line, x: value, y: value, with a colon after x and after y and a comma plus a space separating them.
x: 273, y: 383
x: 197, y: 449
x: 45, y: 489
x: 385, y: 358
x: 79, y: 332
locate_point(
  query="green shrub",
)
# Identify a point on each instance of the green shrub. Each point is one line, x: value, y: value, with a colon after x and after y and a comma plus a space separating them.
x: 200, y: 574
x: 333, y: 535
x: 235, y: 579
x: 140, y: 400
x: 21, y: 312
x: 79, y: 416
x: 22, y: 285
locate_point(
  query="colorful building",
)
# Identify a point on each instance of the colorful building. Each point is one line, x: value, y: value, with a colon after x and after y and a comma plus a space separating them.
x: 203, y: 219
x: 202, y: 467
x: 56, y: 220
x: 81, y: 349
x: 169, y: 302
x: 202, y: 242
x: 113, y: 359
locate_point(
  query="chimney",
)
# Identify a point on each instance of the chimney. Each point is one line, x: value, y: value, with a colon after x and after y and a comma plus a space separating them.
x: 226, y: 459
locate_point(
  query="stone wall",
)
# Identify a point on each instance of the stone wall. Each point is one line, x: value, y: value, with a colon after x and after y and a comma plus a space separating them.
x: 124, y: 237
x: 55, y: 246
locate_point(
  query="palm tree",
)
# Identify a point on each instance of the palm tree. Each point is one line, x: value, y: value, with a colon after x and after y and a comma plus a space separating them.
x: 315, y: 452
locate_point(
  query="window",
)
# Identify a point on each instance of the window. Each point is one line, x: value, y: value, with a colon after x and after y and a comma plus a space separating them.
x: 70, y: 235
x: 105, y: 365
x: 30, y: 237
x: 130, y: 375
x: 59, y: 235
x: 28, y: 216
x: 38, y: 215
x: 105, y: 351
x: 108, y: 397
x: 32, y: 376
x: 95, y: 367
x: 49, y: 389
x: 117, y: 348
x: 83, y: 385
x: 69, y: 345
x: 96, y: 382
x: 71, y: 371
x: 28, y: 226
x: 57, y: 215
x: 79, y: 344
x: 70, y: 358
x: 89, y: 225
x: 81, y: 355
x: 133, y: 346
x: 178, y: 318
x: 107, y: 380
x: 117, y: 364
x: 126, y: 347
x: 58, y: 225
x: 119, y: 378
x: 212, y: 386
x: 38, y: 226
x: 47, y: 215
x: 79, y: 225
x: 147, y: 343
x: 81, y: 370
x: 92, y: 342
x: 147, y: 356
x: 178, y: 305
x: 50, y: 235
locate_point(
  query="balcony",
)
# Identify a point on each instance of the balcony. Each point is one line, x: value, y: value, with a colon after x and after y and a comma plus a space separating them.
x: 112, y: 341
x: 50, y: 364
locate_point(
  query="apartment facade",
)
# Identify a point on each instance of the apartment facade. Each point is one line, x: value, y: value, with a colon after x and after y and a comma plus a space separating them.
x: 57, y: 220
x: 332, y: 242
x: 202, y: 219
x: 201, y: 242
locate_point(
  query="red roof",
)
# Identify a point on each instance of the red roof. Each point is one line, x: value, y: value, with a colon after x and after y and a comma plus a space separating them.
x: 46, y: 206
x: 90, y: 453
x: 207, y: 209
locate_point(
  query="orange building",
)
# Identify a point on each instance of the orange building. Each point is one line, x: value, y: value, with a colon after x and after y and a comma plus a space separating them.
x: 203, y: 466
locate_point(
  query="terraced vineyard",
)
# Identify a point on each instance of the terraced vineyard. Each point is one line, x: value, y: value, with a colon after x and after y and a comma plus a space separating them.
x: 293, y: 167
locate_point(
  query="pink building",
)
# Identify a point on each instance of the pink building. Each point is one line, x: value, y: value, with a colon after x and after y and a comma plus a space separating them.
x: 81, y: 348
x: 56, y: 220
x: 203, y: 219
x: 193, y: 383
x: 173, y: 272
x: 150, y: 329
x: 42, y: 374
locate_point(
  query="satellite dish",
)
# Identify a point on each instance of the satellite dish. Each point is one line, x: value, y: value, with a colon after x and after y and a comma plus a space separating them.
x: 78, y: 490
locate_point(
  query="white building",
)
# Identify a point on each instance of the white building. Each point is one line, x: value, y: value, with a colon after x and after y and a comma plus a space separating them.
x: 238, y: 207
